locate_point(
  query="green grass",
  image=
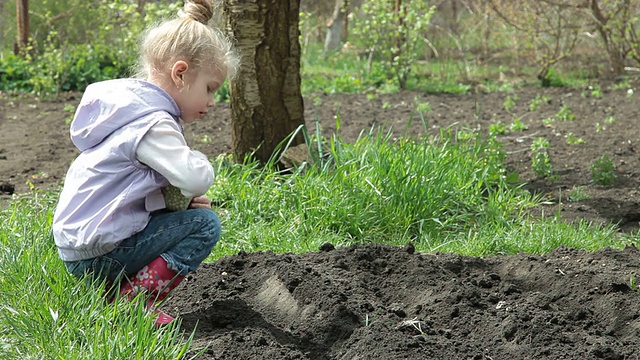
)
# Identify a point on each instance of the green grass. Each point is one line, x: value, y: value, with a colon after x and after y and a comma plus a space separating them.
x: 443, y: 193
x: 350, y: 72
x: 45, y: 313
x: 341, y: 73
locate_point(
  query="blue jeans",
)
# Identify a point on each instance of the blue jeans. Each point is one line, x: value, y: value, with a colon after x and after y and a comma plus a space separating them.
x: 183, y: 239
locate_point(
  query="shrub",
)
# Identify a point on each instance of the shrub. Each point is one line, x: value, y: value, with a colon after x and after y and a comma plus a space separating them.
x: 390, y: 31
x: 61, y: 62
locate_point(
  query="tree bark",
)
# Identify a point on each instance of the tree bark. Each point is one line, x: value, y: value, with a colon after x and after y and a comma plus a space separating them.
x: 338, y: 26
x: 266, y: 102
x: 336, y: 33
x: 3, y: 4
x: 616, y: 56
x: 22, y: 16
x: 140, y: 9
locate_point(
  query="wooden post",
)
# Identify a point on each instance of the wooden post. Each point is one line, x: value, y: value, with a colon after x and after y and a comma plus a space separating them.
x: 22, y: 14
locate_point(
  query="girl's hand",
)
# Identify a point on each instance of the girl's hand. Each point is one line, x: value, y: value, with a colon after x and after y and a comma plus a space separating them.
x: 200, y: 202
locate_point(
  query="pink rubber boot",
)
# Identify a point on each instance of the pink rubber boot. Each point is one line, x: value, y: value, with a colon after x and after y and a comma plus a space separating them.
x: 157, y: 280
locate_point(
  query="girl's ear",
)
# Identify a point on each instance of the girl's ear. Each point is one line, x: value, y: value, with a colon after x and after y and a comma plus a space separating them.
x: 178, y: 71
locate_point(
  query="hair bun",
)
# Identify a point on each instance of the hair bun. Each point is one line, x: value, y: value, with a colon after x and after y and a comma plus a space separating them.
x: 198, y: 10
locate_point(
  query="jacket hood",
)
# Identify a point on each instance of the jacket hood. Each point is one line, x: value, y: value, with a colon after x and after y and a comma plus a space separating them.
x: 109, y: 105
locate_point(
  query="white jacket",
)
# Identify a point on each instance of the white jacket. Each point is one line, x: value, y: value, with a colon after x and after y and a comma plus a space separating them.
x: 131, y: 145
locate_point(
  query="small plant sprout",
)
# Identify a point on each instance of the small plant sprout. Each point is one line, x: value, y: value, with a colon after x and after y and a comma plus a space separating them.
x: 565, y: 114
x: 368, y: 320
x: 621, y: 85
x: 608, y: 120
x: 633, y: 284
x: 510, y: 102
x: 540, y: 162
x: 540, y: 143
x: 465, y: 134
x: 578, y: 193
x: 422, y: 106
x: 572, y: 139
x: 386, y: 105
x: 595, y: 91
x: 372, y: 96
x: 518, y: 125
x: 548, y: 122
x: 71, y: 110
x: 538, y: 101
x: 603, y: 171
x: 497, y: 129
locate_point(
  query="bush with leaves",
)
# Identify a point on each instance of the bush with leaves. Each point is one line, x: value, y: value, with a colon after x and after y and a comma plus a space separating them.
x: 551, y: 30
x: 390, y: 31
x: 617, y: 22
x: 61, y: 62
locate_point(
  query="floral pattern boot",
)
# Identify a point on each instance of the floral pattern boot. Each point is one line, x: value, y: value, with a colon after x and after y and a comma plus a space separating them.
x: 157, y: 281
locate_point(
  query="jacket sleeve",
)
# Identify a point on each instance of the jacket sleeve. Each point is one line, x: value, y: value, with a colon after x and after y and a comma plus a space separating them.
x: 164, y: 149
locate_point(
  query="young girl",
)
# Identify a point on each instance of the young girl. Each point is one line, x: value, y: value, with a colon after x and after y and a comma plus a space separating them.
x: 111, y: 220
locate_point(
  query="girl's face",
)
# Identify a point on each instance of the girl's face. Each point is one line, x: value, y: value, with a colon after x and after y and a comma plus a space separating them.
x: 195, y: 90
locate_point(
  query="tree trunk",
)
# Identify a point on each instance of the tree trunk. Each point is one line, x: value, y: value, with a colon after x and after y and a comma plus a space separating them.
x: 22, y: 16
x: 3, y: 4
x: 336, y: 33
x: 140, y: 9
x: 266, y: 102
x: 616, y: 55
x: 338, y: 26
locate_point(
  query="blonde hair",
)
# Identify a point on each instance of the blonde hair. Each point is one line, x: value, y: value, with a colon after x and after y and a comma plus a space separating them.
x: 188, y: 37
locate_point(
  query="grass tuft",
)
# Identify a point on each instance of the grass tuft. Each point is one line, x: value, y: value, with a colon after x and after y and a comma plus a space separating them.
x: 443, y: 193
x: 45, y: 313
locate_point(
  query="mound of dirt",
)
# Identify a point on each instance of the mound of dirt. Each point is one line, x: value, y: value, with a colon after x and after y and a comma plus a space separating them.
x: 384, y: 302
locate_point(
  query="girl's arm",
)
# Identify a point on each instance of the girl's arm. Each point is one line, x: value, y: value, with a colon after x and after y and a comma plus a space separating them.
x: 165, y: 150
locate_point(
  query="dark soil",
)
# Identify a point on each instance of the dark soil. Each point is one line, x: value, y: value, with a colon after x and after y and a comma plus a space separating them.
x: 379, y: 302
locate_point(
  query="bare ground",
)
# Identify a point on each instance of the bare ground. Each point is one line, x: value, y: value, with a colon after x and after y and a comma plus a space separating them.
x: 379, y: 302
